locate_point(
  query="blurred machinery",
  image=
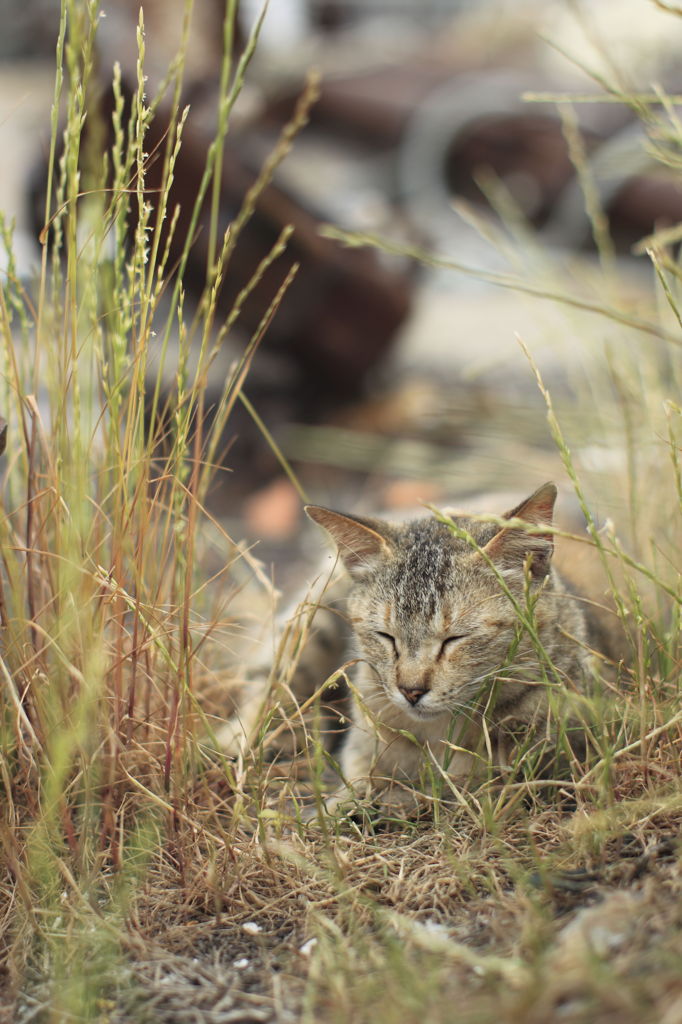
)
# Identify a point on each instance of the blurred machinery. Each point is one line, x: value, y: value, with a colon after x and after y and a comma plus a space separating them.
x: 420, y: 106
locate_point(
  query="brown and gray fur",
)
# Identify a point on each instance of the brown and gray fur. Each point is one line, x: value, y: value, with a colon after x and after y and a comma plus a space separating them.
x: 446, y: 669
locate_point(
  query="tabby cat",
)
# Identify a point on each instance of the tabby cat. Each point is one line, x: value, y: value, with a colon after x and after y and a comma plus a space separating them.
x: 467, y: 639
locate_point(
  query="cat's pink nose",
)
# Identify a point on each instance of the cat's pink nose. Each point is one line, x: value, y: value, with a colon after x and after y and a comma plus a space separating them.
x: 412, y: 696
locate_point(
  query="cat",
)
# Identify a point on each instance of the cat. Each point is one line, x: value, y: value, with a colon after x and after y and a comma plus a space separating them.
x: 467, y: 637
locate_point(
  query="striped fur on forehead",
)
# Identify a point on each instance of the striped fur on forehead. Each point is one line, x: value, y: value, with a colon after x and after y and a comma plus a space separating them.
x: 415, y: 565
x: 428, y: 563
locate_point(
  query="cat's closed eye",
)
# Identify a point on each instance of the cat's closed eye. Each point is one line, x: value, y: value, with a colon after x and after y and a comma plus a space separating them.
x: 450, y: 641
x: 388, y: 638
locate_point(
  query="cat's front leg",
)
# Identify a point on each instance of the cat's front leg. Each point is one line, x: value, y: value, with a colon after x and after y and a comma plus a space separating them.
x: 309, y: 650
x: 238, y: 733
x: 379, y: 765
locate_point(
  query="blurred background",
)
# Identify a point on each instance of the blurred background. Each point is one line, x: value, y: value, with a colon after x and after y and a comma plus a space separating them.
x: 385, y: 381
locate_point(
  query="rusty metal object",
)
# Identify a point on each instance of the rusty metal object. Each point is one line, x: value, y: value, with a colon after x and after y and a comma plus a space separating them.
x: 335, y: 323
x: 342, y: 310
x: 443, y: 124
x: 344, y: 306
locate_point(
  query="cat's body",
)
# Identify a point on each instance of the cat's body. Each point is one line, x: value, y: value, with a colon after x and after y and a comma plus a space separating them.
x: 466, y: 637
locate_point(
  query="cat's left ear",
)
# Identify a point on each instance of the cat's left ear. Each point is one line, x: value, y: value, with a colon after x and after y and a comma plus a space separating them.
x: 511, y: 547
x: 361, y: 542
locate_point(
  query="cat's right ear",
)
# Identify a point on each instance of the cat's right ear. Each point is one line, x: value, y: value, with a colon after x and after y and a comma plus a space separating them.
x: 359, y: 542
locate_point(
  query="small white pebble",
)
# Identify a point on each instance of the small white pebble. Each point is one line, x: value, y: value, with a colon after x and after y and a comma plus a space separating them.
x: 307, y: 947
x: 241, y: 963
x: 477, y: 969
x: 251, y: 928
x: 435, y: 927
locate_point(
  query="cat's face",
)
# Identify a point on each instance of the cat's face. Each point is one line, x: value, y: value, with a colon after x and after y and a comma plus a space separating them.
x: 432, y: 618
x: 433, y: 643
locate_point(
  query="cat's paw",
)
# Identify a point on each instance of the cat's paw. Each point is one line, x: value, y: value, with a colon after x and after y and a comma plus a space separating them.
x: 343, y: 802
x: 401, y: 803
x: 388, y: 806
x: 236, y: 740
x: 231, y: 738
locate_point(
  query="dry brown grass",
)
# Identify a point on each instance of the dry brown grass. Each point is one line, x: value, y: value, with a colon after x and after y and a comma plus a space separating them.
x: 572, y: 916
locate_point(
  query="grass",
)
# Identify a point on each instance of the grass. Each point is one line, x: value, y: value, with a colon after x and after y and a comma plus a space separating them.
x: 146, y: 876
